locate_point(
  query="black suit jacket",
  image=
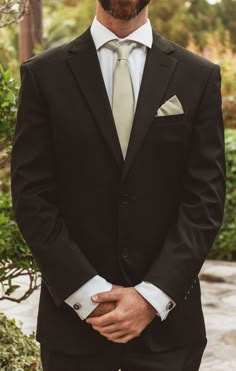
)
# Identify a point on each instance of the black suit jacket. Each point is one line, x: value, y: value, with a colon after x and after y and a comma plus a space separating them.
x: 84, y: 211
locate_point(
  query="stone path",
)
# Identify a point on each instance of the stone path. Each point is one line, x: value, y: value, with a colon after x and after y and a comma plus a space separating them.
x: 218, y: 281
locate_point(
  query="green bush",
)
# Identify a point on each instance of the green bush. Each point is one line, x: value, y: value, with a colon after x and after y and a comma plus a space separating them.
x: 18, y: 352
x: 8, y: 106
x: 225, y: 244
x: 15, y: 257
x: 229, y: 111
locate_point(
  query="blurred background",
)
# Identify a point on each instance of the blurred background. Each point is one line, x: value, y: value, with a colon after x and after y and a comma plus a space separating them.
x: 27, y: 27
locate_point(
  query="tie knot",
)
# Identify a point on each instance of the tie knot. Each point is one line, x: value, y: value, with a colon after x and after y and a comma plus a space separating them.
x: 123, y: 50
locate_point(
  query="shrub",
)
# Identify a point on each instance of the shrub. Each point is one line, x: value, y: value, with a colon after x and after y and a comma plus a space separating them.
x: 225, y: 244
x: 229, y: 111
x: 8, y: 106
x: 18, y: 351
x: 223, y: 55
x: 15, y: 257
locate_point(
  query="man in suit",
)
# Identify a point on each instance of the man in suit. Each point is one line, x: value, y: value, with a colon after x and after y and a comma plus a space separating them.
x: 118, y: 188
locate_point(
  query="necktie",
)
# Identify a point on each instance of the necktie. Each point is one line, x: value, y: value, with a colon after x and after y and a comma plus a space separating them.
x: 123, y: 95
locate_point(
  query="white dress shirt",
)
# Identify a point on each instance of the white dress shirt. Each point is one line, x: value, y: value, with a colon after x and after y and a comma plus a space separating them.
x: 81, y: 299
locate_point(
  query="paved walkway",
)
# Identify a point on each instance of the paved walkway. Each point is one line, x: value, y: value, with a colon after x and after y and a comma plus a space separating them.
x: 218, y: 280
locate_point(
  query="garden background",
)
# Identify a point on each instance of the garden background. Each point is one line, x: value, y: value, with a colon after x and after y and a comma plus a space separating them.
x: 27, y: 27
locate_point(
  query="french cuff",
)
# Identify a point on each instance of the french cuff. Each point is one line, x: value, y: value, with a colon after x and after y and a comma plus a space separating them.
x: 157, y: 298
x: 81, y: 301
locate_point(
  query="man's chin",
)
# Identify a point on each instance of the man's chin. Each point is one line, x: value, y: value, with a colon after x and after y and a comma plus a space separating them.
x: 124, y: 10
x: 123, y: 16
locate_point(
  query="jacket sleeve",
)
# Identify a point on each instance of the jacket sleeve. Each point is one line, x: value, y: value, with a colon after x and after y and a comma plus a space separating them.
x: 63, y: 265
x: 202, y: 202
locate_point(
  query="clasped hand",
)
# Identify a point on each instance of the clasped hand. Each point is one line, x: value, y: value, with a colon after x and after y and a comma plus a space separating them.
x: 122, y: 314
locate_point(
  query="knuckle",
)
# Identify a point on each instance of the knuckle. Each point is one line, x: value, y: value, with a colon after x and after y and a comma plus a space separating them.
x: 96, y: 328
x: 137, y: 332
x: 113, y: 317
x: 126, y: 340
x: 118, y: 316
x: 126, y: 325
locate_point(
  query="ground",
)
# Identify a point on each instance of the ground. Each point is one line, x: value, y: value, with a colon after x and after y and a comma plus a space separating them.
x: 218, y: 282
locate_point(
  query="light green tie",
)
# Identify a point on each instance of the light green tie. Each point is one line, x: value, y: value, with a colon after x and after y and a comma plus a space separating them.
x: 123, y: 95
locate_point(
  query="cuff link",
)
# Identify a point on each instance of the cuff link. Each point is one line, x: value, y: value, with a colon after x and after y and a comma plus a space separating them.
x: 77, y: 306
x: 169, y: 306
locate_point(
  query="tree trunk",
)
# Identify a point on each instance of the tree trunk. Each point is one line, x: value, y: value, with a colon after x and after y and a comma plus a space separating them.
x: 30, y: 34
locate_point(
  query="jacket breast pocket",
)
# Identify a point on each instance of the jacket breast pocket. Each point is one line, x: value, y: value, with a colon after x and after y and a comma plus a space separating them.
x: 169, y: 120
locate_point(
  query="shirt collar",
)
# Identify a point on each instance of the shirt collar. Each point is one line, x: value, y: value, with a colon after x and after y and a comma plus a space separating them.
x: 101, y: 35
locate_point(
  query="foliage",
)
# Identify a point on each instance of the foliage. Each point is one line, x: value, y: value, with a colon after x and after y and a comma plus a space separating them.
x: 9, y: 49
x: 225, y: 244
x: 226, y: 12
x: 202, y: 19
x: 178, y: 19
x: 169, y: 19
x: 65, y: 20
x: 18, y: 351
x: 8, y: 106
x: 16, y: 259
x: 223, y: 55
x: 12, y: 11
x: 229, y: 111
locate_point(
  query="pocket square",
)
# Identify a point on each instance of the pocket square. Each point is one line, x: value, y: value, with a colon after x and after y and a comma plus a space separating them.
x: 170, y: 108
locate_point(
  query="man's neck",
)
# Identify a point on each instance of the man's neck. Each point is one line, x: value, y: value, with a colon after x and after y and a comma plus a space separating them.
x: 119, y: 27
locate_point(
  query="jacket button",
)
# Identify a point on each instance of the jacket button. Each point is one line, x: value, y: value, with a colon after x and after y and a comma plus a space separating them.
x: 77, y: 306
x: 125, y: 254
x: 125, y: 199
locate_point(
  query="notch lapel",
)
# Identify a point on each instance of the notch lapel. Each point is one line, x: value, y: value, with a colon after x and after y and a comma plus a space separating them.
x: 158, y: 70
x: 84, y: 64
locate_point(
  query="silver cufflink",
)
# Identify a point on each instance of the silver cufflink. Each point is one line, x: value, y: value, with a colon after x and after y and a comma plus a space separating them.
x: 170, y: 306
x: 77, y: 306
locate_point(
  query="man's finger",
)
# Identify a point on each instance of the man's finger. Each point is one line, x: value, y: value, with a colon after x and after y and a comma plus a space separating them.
x: 107, y: 329
x: 108, y: 296
x: 123, y: 339
x: 102, y: 309
x: 116, y: 335
x: 102, y: 321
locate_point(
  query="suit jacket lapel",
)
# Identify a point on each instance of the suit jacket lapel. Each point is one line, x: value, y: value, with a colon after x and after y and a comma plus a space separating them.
x: 158, y: 70
x: 84, y: 64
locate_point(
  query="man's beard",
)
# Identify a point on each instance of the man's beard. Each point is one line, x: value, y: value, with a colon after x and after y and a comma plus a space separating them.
x: 123, y: 9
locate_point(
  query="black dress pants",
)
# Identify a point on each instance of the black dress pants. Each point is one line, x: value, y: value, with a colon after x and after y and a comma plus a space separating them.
x: 179, y: 359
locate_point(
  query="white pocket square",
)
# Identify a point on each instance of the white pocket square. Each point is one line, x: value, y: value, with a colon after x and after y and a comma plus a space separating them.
x: 170, y: 108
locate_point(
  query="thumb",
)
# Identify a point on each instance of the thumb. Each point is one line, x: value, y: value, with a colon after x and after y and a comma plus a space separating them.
x: 105, y: 296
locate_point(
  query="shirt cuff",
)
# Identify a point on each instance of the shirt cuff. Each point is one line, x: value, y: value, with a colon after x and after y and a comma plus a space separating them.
x: 81, y: 301
x: 157, y: 298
